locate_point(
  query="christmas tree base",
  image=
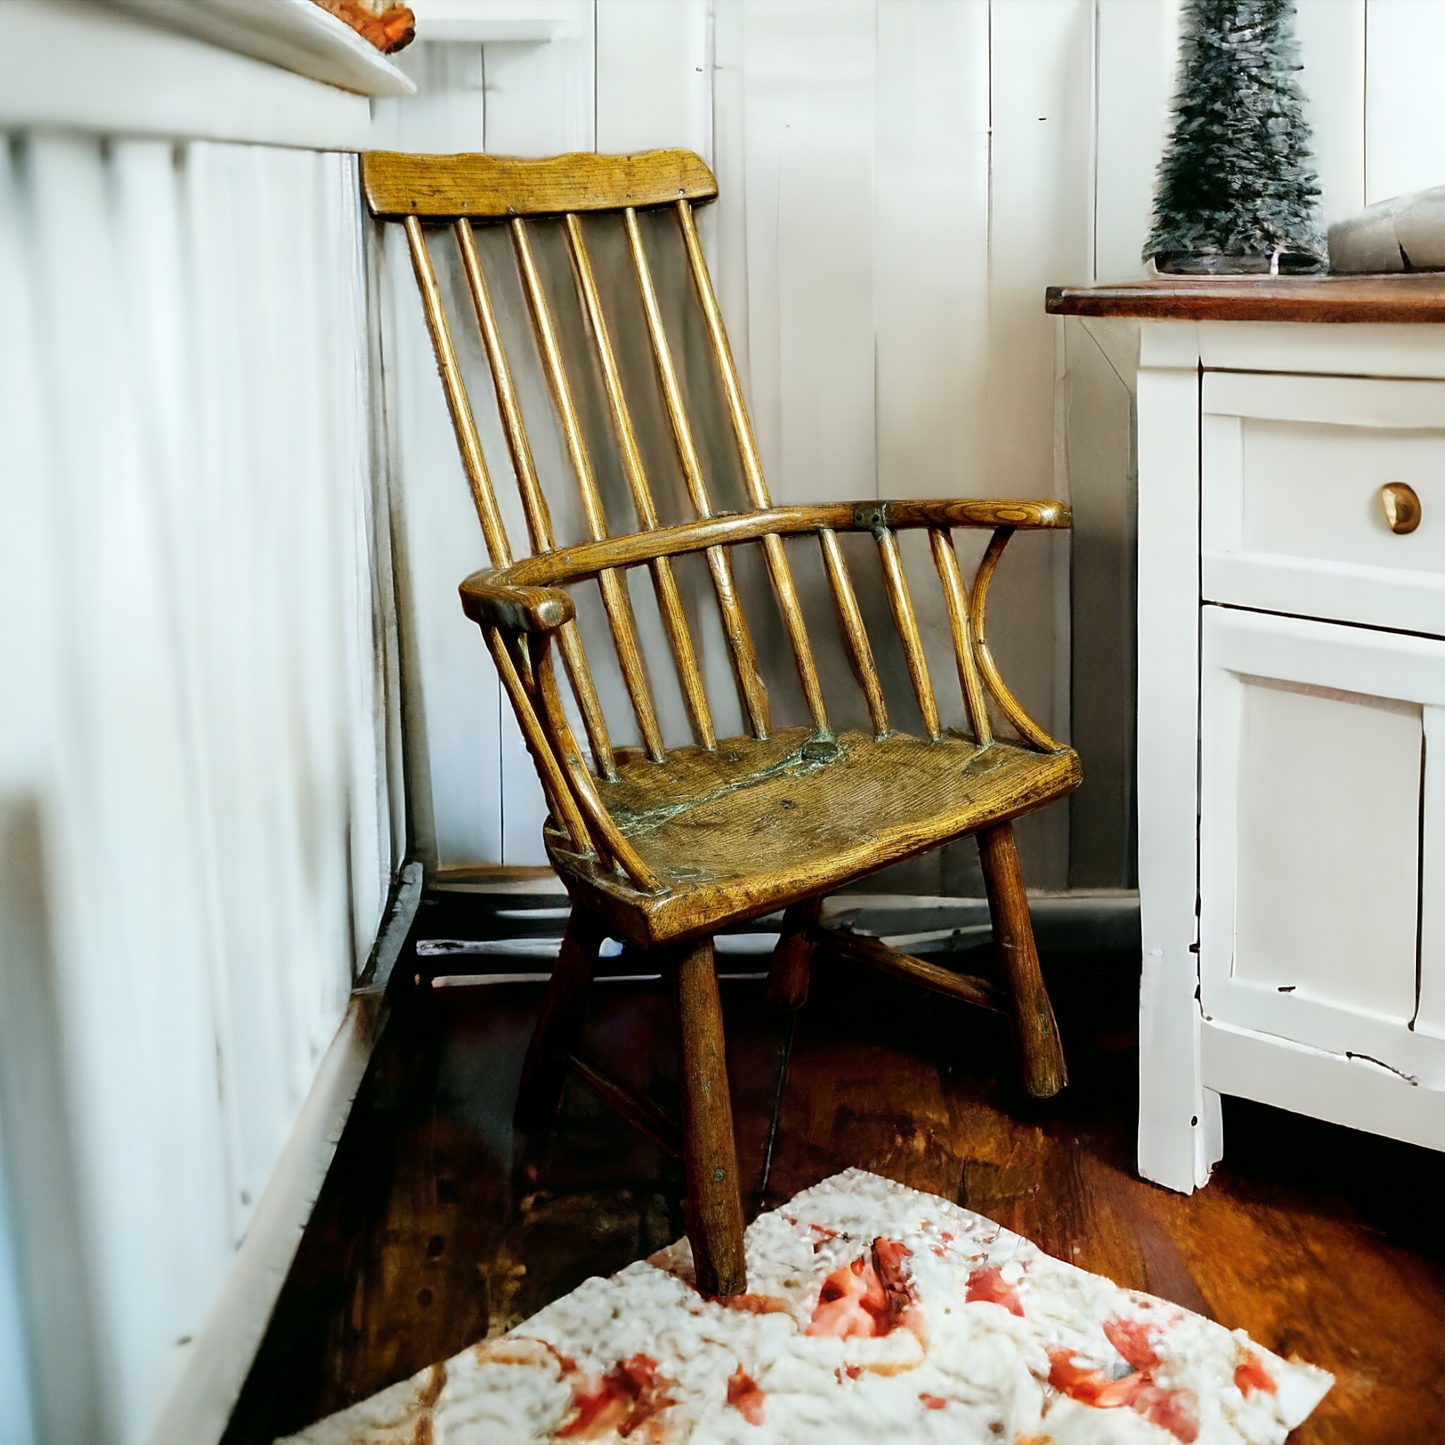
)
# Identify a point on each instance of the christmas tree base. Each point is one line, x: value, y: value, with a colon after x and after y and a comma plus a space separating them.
x: 1214, y: 263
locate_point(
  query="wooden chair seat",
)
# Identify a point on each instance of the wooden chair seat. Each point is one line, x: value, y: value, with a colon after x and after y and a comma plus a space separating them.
x: 758, y: 824
x: 664, y: 844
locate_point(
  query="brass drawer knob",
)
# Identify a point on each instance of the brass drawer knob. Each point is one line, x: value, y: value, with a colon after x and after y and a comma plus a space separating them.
x: 1402, y: 507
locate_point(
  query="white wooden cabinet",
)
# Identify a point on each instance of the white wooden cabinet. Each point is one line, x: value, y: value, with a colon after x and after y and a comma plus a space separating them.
x: 1291, y: 696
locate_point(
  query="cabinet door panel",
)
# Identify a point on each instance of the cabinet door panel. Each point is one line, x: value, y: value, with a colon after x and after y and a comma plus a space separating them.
x: 1327, y: 830
x: 1315, y: 770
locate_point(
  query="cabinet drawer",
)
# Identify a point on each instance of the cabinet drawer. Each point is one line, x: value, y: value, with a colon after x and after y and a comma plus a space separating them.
x: 1292, y: 520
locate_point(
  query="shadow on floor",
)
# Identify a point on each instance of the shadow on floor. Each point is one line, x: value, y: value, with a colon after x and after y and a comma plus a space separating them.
x: 437, y: 1225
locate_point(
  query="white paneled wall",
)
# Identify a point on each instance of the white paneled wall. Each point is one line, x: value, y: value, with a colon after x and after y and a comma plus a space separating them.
x: 890, y: 334
x: 1403, y: 44
x: 196, y: 833
x: 900, y: 181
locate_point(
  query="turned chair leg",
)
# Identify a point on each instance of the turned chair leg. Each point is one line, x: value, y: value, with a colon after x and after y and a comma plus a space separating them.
x: 1036, y: 1034
x: 788, y: 976
x: 714, y: 1204
x: 545, y: 1068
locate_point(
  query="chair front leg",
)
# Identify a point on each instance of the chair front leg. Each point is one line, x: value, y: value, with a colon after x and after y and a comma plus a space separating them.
x: 1036, y: 1034
x: 714, y: 1204
x: 544, y: 1070
x: 788, y: 975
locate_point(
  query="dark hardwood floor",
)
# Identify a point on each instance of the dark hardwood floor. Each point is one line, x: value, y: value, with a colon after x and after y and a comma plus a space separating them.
x: 437, y: 1225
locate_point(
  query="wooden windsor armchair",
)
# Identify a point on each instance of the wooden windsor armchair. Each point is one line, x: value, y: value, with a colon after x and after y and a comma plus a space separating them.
x: 662, y: 846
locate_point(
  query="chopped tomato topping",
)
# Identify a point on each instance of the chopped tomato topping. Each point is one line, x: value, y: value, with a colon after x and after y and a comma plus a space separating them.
x: 933, y: 1402
x: 849, y: 1303
x: 745, y: 1396
x: 1131, y: 1339
x: 888, y: 1257
x: 1250, y: 1374
x: 1073, y: 1380
x: 627, y: 1396
x: 1175, y: 1410
x: 868, y: 1297
x: 888, y: 1262
x: 988, y: 1285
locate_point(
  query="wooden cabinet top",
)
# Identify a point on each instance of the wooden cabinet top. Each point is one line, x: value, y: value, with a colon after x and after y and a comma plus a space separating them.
x: 1417, y: 297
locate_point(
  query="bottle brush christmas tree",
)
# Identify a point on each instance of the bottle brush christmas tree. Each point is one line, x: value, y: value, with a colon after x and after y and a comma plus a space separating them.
x: 1236, y: 191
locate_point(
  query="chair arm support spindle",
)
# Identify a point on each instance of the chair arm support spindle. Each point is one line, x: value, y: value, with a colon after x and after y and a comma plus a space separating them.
x: 583, y: 790
x: 1009, y: 705
x: 549, y: 771
x: 955, y: 595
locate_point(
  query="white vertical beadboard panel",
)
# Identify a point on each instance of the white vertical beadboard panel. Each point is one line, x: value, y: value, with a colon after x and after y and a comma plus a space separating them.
x: 809, y: 76
x: 1138, y: 57
x: 136, y: 1011
x: 1042, y: 217
x: 446, y: 114
x: 653, y: 82
x: 247, y: 477
x: 931, y: 262
x: 37, y: 1146
x: 1404, y: 121
x: 1041, y: 234
x: 728, y: 260
x: 451, y: 699
x: 452, y: 714
x: 362, y: 645
x: 1332, y: 51
x: 540, y: 96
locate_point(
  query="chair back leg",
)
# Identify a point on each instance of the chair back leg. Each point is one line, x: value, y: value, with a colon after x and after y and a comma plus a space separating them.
x: 788, y: 975
x: 714, y: 1204
x: 1036, y: 1034
x: 545, y: 1068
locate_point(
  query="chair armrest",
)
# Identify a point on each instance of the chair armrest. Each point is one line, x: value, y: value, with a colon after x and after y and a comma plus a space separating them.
x: 580, y: 561
x: 1011, y: 512
x: 493, y: 603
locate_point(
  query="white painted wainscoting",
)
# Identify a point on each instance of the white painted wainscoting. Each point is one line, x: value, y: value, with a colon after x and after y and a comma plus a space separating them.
x: 199, y: 805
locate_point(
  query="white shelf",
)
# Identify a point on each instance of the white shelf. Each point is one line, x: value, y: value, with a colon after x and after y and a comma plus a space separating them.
x: 294, y: 34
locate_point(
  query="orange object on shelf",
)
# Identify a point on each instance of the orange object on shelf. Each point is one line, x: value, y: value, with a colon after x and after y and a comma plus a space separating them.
x: 390, y: 29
